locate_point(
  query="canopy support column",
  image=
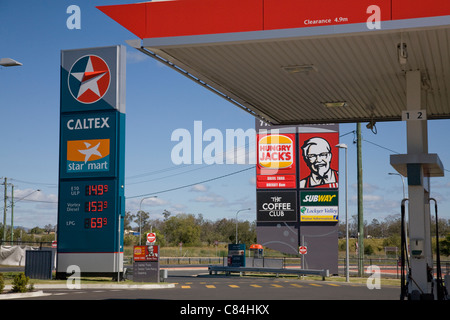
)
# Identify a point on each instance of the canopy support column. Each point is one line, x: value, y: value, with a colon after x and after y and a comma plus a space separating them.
x: 418, y: 166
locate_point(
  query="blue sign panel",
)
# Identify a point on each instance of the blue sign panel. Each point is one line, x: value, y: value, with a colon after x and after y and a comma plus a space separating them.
x: 92, y: 79
x: 91, y: 205
x: 89, y: 144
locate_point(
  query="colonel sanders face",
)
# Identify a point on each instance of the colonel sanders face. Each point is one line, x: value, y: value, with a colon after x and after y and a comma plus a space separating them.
x: 317, y: 155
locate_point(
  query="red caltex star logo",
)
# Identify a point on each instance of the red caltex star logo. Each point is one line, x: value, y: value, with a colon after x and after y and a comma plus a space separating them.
x: 89, y: 79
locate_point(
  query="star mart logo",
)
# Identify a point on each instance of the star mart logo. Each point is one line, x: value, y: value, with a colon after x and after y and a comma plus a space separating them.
x: 89, y: 79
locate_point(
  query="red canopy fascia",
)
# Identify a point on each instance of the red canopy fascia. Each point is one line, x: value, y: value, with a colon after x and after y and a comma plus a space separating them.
x: 196, y: 17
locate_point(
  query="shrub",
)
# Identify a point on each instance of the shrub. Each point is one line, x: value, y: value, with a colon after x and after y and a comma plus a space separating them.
x: 20, y: 283
x: 2, y: 283
x: 368, y: 250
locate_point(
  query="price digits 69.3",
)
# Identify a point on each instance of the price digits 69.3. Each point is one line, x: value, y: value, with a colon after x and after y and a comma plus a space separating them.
x: 95, y: 223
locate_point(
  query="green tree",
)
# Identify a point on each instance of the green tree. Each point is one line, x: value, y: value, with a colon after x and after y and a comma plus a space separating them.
x: 226, y: 229
x: 246, y: 233
x: 444, y: 246
x: 127, y: 220
x: 36, y: 230
x: 182, y: 228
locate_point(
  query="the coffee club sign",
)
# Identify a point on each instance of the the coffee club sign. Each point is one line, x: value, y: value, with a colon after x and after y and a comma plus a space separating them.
x: 319, y: 206
x: 276, y: 206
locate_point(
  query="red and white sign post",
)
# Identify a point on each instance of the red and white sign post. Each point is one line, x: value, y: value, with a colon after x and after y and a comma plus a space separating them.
x: 302, y: 250
x: 151, y: 237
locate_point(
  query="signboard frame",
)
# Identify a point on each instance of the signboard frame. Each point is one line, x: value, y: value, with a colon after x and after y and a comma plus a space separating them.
x: 92, y: 145
x: 321, y: 235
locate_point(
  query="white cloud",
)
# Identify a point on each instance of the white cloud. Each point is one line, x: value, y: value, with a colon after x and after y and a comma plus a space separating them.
x: 211, y: 197
x: 133, y: 205
x: 199, y: 188
x: 372, y: 197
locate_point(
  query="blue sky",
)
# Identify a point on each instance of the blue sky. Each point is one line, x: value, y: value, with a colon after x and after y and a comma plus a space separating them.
x: 159, y: 101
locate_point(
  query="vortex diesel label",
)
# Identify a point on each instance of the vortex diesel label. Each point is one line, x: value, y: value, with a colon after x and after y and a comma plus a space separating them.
x: 276, y: 206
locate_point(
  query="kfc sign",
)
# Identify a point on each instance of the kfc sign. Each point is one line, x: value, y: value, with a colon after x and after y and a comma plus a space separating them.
x: 319, y: 160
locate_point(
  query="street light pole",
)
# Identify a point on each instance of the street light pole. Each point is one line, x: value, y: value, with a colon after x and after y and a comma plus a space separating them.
x: 403, y: 182
x: 344, y: 146
x: 4, y: 210
x: 405, y: 227
x: 12, y: 208
x: 12, y: 214
x: 140, y: 217
x: 8, y: 62
x: 237, y: 223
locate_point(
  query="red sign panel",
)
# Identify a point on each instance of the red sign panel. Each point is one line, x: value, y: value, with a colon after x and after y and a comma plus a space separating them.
x: 151, y: 237
x: 319, y: 160
x: 187, y: 17
x: 405, y: 9
x: 146, y: 253
x: 276, y: 165
x: 297, y: 14
x: 195, y: 17
x: 303, y: 250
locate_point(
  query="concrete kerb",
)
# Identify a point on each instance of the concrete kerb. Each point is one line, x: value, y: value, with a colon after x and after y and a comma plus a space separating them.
x: 33, y: 294
x: 39, y: 287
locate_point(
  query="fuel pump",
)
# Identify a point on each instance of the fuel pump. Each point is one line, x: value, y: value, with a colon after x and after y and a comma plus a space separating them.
x: 441, y: 290
x: 404, y: 256
x: 416, y: 251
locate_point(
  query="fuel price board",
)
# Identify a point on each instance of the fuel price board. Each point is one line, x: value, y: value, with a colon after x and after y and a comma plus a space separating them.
x: 88, y: 216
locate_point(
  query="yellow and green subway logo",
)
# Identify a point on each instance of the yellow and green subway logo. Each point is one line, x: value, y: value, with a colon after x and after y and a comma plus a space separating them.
x: 315, y: 198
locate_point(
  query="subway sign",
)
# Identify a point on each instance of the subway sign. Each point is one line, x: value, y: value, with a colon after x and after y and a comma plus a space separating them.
x: 319, y: 206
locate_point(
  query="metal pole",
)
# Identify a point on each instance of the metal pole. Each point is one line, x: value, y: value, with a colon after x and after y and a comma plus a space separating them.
x: 303, y: 256
x: 118, y: 253
x: 403, y: 182
x: 237, y: 227
x: 4, y: 211
x: 12, y: 214
x: 347, y: 272
x: 140, y: 217
x: 12, y: 208
x: 360, y: 204
x: 140, y: 225
x: 346, y: 220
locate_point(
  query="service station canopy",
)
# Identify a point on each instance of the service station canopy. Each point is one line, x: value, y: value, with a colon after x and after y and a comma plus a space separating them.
x: 302, y: 61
